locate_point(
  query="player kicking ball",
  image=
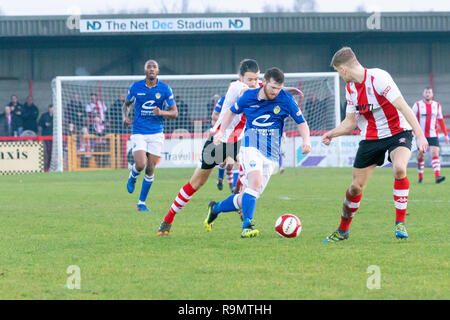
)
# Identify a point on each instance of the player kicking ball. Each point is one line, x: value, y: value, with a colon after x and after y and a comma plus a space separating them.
x: 376, y: 106
x: 147, y: 136
x: 213, y: 155
x: 265, y: 109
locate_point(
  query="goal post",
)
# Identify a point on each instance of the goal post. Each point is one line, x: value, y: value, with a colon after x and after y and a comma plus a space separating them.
x: 88, y: 131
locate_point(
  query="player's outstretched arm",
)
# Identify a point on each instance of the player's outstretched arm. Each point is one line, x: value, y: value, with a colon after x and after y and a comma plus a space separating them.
x: 345, y: 127
x: 402, y: 106
x: 125, y: 111
x: 303, y: 129
x: 228, y: 117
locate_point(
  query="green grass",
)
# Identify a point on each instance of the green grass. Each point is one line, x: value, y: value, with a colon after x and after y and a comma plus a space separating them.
x: 52, y: 221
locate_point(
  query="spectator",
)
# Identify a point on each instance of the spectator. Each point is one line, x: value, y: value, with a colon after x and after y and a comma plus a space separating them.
x: 100, y: 143
x: 96, y: 108
x: 182, y: 121
x: 46, y: 124
x: 30, y: 115
x: 75, y: 113
x: 6, y: 124
x: 16, y: 112
x: 115, y: 115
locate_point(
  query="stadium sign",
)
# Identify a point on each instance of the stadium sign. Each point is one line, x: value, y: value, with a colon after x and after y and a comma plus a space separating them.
x: 21, y: 157
x: 165, y: 25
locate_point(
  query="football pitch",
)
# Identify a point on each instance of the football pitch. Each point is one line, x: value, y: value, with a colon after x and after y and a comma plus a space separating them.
x: 88, y: 220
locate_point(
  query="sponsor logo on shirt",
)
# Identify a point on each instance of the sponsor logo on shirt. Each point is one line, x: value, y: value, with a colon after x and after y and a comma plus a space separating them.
x: 148, y: 105
x: 363, y: 108
x: 262, y: 123
x: 140, y: 93
x: 385, y: 92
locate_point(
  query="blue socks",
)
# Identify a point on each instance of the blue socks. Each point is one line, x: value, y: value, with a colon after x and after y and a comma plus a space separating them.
x: 134, y: 173
x: 221, y: 172
x: 235, y: 177
x: 248, y: 206
x: 146, y: 184
x: 227, y: 205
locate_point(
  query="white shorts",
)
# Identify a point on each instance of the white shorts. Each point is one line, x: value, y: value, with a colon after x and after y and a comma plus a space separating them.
x: 151, y: 143
x: 252, y: 160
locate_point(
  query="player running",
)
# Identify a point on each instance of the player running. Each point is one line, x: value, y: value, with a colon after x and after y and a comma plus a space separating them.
x: 265, y: 110
x: 213, y: 155
x: 376, y: 106
x: 429, y: 114
x: 147, y: 137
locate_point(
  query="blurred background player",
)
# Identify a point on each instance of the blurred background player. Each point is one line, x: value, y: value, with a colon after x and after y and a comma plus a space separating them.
x: 376, y: 106
x: 265, y: 109
x: 147, y: 136
x: 213, y: 155
x: 429, y: 114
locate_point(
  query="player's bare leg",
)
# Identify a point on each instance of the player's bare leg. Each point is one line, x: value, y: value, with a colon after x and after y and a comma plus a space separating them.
x: 351, y: 203
x: 400, y: 157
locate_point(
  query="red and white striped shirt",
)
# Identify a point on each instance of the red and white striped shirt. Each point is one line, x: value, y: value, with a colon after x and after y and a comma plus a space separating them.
x: 235, y: 130
x: 427, y: 114
x: 371, y: 100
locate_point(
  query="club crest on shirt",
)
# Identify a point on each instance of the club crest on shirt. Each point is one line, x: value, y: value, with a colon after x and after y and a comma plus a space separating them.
x: 158, y: 95
x: 277, y: 109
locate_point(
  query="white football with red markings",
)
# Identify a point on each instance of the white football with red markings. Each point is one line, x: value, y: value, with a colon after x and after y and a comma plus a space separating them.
x: 288, y: 226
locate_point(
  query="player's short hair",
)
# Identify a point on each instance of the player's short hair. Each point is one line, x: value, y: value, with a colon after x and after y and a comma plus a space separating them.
x: 151, y: 60
x: 428, y: 88
x: 343, y: 56
x: 274, y: 73
x: 248, y: 65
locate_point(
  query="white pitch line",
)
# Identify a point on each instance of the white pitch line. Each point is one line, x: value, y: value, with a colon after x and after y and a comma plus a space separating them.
x: 366, y: 199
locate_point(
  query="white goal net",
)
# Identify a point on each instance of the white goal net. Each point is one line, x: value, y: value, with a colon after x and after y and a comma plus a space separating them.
x: 88, y: 130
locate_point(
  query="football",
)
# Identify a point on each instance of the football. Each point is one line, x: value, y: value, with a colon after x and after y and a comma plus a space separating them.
x: 288, y: 226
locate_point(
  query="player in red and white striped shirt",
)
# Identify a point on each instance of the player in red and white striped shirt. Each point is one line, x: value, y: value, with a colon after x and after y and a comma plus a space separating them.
x: 429, y: 114
x: 213, y: 155
x: 376, y: 106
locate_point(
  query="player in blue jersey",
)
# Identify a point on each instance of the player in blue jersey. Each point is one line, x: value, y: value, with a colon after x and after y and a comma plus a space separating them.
x: 150, y: 97
x: 265, y: 109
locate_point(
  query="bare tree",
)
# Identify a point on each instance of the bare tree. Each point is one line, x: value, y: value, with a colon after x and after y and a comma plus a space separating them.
x: 304, y: 6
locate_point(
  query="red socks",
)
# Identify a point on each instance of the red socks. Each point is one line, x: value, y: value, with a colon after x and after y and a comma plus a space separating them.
x: 436, y: 166
x: 180, y: 201
x: 401, y: 191
x: 350, y: 206
x: 421, y: 165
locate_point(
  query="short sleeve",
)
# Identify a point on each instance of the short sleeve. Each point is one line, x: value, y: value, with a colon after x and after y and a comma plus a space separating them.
x: 240, y: 104
x: 131, y: 94
x: 233, y: 93
x: 350, y: 104
x: 169, y: 97
x: 218, y: 106
x: 385, y: 86
x: 294, y: 110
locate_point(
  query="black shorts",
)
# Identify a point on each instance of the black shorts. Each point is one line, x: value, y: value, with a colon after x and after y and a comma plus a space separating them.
x: 433, y: 142
x: 213, y: 155
x: 373, y: 151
